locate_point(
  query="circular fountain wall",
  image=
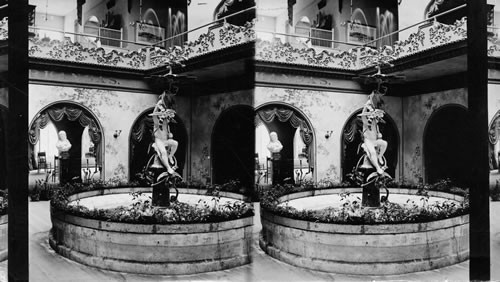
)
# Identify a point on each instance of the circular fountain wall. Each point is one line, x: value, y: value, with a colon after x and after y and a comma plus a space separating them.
x: 150, y: 248
x: 377, y: 249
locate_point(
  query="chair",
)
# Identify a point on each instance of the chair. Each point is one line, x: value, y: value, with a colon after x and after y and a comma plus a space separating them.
x: 42, y: 161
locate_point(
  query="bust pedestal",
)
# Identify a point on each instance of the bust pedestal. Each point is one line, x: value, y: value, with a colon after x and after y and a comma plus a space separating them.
x: 64, y: 168
x: 371, y: 193
x: 276, y: 168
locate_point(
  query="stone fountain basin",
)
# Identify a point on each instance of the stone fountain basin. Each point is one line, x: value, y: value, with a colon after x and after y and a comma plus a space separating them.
x: 379, y: 249
x: 164, y: 249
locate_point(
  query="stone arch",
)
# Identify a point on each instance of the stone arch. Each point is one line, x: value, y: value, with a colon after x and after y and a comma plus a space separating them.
x: 141, y: 137
x: 351, y: 140
x: 73, y: 118
x: 286, y: 125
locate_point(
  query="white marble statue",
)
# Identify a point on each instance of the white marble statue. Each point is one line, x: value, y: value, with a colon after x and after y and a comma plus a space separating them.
x: 274, y: 145
x: 373, y: 144
x: 63, y: 145
x: 164, y: 144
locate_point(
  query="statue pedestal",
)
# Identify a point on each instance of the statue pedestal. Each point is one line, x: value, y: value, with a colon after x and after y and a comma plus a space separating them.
x: 276, y: 168
x: 371, y: 193
x: 371, y: 196
x: 161, y: 195
x: 64, y: 168
x: 161, y: 190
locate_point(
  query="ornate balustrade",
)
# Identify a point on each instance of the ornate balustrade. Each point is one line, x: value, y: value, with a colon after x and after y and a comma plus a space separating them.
x: 218, y: 38
x: 357, y: 58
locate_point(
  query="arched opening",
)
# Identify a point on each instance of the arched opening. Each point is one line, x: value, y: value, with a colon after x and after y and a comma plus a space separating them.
x: 445, y: 152
x: 352, y: 139
x: 494, y: 145
x: 141, y: 138
x: 296, y: 162
x: 84, y: 133
x: 232, y: 147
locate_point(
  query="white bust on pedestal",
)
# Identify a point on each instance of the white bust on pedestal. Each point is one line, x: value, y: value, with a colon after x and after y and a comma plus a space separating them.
x: 274, y: 145
x: 63, y: 145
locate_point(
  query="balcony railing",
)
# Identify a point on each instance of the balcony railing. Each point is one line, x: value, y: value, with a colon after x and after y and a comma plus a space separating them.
x: 319, y: 37
x: 89, y: 48
x: 294, y: 48
x: 105, y: 33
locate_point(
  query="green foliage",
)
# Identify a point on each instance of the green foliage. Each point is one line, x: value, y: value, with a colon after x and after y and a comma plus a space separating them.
x: 142, y: 211
x: 495, y: 191
x: 352, y: 212
x: 42, y: 190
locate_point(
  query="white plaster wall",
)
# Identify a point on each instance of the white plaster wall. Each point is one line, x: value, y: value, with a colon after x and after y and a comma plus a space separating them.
x: 70, y: 23
x: 115, y: 110
x: 417, y: 111
x: 327, y: 111
x: 200, y: 12
x: 411, y: 12
x: 493, y: 100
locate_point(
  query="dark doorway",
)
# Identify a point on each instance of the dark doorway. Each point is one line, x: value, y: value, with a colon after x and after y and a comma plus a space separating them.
x: 445, y: 146
x: 141, y: 139
x: 233, y: 147
x: 352, y: 139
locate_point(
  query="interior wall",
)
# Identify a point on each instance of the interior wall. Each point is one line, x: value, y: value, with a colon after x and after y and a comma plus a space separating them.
x: 411, y: 12
x: 200, y: 12
x: 327, y: 111
x: 205, y: 112
x: 54, y: 22
x: 417, y: 111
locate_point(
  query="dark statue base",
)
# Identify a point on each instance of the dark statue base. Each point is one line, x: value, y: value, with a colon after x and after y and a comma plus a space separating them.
x: 161, y: 195
x: 276, y: 166
x: 371, y: 193
x: 371, y: 196
x: 162, y: 188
